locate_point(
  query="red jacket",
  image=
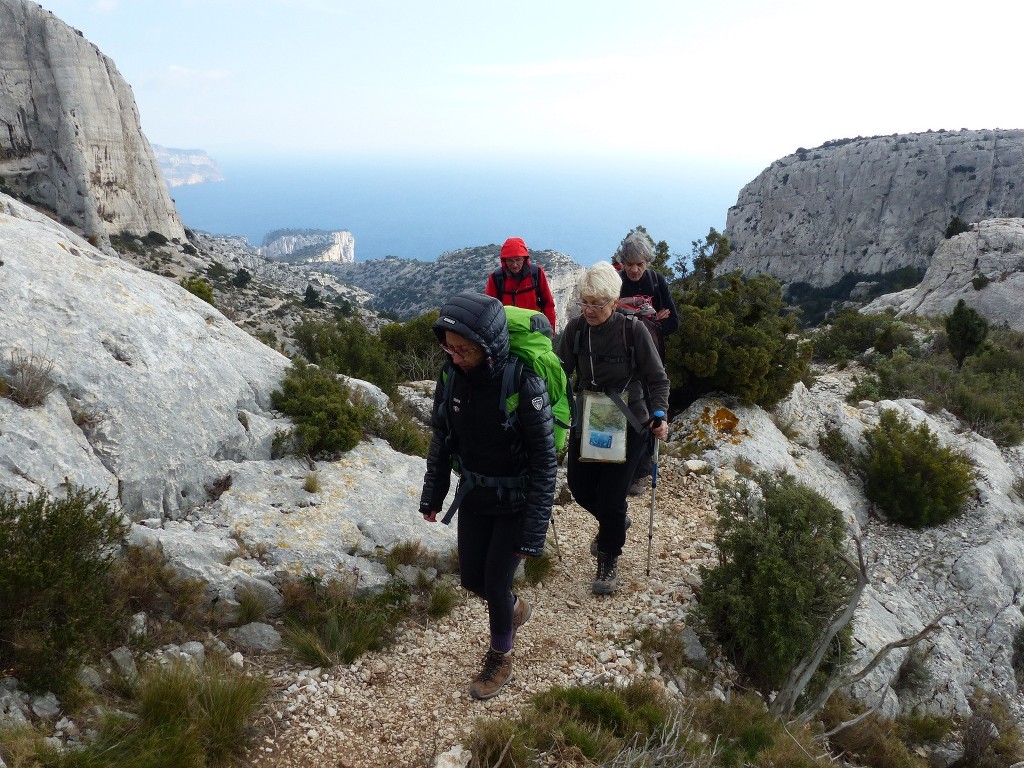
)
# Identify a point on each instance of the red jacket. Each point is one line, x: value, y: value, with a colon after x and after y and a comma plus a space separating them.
x: 530, y: 289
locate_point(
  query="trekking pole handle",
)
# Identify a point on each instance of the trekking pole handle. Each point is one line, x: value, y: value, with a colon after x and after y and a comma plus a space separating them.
x: 659, y: 416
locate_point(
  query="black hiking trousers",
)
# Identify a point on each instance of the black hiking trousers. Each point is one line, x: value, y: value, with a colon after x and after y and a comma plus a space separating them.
x: 600, y: 488
x: 488, y: 562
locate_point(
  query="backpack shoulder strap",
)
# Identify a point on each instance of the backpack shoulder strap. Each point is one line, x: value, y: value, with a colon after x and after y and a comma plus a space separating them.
x: 535, y: 274
x: 511, y: 380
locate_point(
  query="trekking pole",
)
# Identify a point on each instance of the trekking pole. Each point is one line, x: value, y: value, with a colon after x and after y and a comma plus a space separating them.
x: 554, y: 530
x: 658, y: 416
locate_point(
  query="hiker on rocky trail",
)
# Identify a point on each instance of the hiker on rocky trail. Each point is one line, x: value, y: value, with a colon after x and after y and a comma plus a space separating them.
x: 635, y: 255
x: 639, y: 280
x: 507, y: 475
x: 620, y: 383
x: 519, y: 283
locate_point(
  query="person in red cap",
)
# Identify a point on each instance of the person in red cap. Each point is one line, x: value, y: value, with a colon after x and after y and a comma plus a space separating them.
x: 519, y: 283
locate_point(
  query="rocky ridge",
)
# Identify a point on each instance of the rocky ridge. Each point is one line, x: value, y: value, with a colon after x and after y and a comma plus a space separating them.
x: 412, y: 288
x: 871, y: 205
x: 71, y: 139
x: 984, y: 267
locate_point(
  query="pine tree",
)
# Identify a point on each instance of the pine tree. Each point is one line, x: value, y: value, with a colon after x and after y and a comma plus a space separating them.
x: 966, y: 330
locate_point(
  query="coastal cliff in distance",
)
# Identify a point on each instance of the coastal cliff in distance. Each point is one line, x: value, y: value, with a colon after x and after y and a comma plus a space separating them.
x: 182, y: 167
x: 872, y: 205
x: 70, y: 136
x: 305, y: 246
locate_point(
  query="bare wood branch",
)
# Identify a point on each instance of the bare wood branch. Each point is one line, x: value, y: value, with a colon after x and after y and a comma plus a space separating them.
x: 834, y: 685
x: 849, y: 723
x: 804, y: 670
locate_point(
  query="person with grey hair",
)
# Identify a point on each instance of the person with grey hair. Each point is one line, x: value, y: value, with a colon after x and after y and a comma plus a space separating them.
x: 634, y: 256
x: 638, y: 279
x: 614, y: 357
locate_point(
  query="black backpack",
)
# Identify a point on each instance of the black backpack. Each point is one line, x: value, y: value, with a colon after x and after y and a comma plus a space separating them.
x: 499, y: 285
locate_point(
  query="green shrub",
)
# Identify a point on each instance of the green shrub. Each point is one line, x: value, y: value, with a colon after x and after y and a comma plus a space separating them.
x: 966, y: 330
x: 414, y: 348
x: 956, y: 226
x: 154, y: 238
x: 537, y: 569
x: 850, y: 333
x: 198, y: 287
x: 873, y: 741
x: 242, y: 278
x: 736, y: 335
x: 347, y: 347
x: 403, y: 432
x: 915, y: 481
x: 326, y: 422
x: 442, y: 599
x: 778, y: 579
x: 55, y: 558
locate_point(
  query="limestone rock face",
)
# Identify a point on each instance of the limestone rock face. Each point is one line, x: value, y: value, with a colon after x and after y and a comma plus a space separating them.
x: 970, y: 566
x: 304, y: 246
x: 157, y: 393
x: 70, y: 135
x: 984, y: 267
x: 871, y: 205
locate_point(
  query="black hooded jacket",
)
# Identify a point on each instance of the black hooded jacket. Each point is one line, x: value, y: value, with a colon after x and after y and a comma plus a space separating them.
x: 471, y: 427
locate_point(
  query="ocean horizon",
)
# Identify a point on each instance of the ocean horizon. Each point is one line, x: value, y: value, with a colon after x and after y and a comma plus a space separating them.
x: 419, y: 211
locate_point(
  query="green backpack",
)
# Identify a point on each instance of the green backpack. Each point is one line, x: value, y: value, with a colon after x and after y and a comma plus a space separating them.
x: 529, y: 337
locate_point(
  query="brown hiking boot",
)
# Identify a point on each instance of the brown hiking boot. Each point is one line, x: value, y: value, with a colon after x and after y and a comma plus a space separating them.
x: 497, y: 670
x: 607, y: 579
x: 520, y: 614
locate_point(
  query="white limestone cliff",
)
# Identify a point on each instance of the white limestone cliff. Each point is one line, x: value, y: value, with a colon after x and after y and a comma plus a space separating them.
x: 984, y: 267
x: 70, y: 134
x: 309, y: 246
x: 871, y: 205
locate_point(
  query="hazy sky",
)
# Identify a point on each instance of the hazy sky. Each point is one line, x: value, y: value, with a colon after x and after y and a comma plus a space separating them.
x: 736, y: 82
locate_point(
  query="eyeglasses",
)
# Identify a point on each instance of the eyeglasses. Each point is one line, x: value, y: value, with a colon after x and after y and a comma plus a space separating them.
x: 463, y: 352
x: 585, y: 305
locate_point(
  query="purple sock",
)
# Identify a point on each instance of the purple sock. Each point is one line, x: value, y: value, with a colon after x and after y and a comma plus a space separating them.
x: 502, y: 643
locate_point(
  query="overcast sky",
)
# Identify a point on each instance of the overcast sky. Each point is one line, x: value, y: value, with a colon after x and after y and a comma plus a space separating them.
x: 738, y: 82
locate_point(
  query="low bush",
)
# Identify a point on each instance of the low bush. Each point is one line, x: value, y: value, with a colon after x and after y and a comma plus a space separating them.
x: 873, y: 741
x: 851, y: 333
x: 30, y: 380
x: 912, y: 478
x: 572, y: 726
x: 56, y: 555
x: 347, y: 347
x: 326, y: 422
x: 177, y: 716
x: 330, y: 624
x: 778, y: 579
x: 197, y: 286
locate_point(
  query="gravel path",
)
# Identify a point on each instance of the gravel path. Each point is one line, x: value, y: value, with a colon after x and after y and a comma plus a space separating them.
x: 410, y: 703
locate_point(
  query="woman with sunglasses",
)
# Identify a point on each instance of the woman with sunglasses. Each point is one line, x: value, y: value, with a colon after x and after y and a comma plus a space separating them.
x: 613, y: 355
x: 507, y: 474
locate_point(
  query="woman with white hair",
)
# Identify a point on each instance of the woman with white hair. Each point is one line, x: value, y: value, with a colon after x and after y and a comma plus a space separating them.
x: 615, y: 362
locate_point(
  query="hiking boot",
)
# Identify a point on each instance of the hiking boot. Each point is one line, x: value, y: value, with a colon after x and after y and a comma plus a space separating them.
x: 497, y: 670
x: 607, y: 579
x: 593, y: 543
x: 520, y: 614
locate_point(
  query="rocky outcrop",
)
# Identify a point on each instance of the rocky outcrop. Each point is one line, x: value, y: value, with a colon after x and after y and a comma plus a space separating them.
x: 984, y: 267
x: 971, y: 566
x: 165, y: 405
x: 182, y: 167
x: 871, y: 205
x: 410, y: 288
x: 309, y: 246
x: 70, y: 136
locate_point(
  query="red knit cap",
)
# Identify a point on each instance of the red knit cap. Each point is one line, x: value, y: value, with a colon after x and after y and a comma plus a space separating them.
x: 513, y: 248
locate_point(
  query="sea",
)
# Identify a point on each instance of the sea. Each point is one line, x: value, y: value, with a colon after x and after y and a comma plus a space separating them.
x: 419, y: 210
